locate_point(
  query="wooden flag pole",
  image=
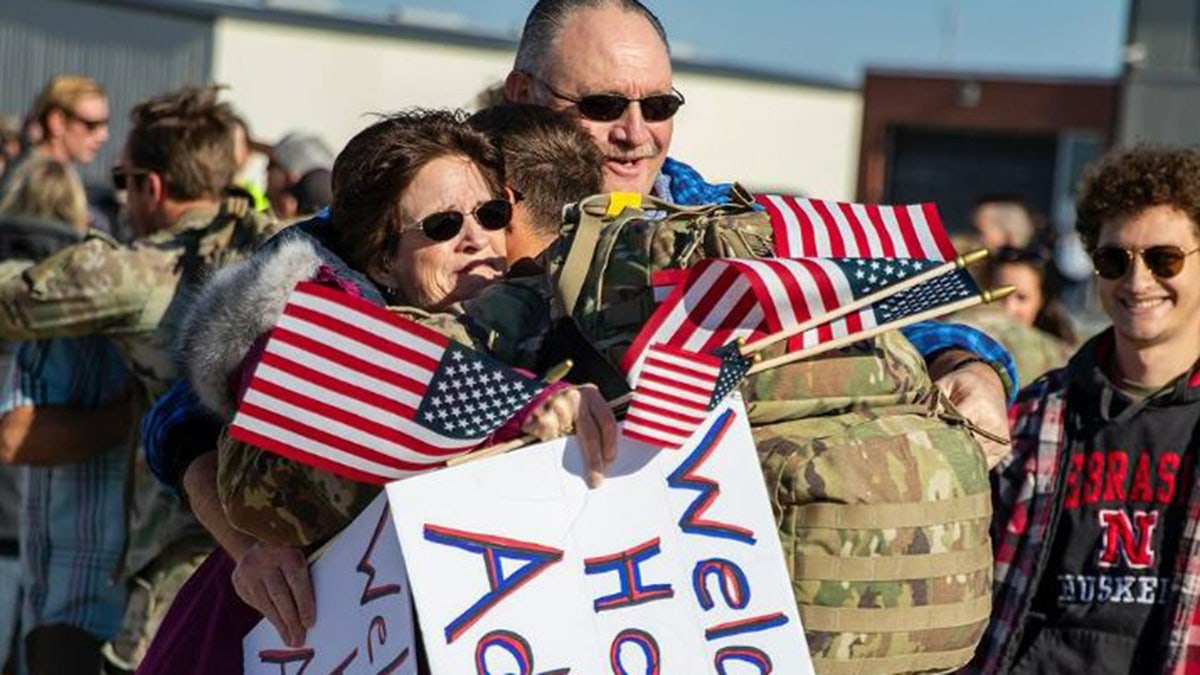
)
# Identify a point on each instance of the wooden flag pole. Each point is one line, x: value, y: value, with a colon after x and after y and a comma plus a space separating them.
x: 984, y: 297
x: 958, y: 263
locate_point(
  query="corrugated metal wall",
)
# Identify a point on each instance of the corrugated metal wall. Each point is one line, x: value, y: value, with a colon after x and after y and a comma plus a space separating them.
x: 1162, y: 88
x: 133, y: 53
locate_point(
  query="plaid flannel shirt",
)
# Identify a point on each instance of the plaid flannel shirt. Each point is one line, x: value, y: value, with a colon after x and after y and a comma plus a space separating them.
x: 681, y: 184
x: 1024, y: 503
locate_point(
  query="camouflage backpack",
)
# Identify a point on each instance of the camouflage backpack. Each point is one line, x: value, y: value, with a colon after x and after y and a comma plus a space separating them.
x: 880, y: 495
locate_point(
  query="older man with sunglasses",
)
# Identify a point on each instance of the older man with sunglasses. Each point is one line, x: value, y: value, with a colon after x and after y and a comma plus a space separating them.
x: 607, y: 62
x: 1097, y: 550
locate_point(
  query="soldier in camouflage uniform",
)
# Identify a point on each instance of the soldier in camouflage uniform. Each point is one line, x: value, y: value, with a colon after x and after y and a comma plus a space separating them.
x: 135, y: 294
x: 1035, y: 351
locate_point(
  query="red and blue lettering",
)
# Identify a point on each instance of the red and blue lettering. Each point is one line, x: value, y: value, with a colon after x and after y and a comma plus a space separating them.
x: 627, y: 565
x: 640, y: 639
x: 754, y: 625
x: 536, y: 559
x: 685, y: 477
x: 508, y: 641
x: 750, y: 655
x: 371, y: 593
x: 735, y: 588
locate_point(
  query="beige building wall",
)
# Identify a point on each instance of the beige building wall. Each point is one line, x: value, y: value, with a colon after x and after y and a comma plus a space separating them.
x: 769, y: 135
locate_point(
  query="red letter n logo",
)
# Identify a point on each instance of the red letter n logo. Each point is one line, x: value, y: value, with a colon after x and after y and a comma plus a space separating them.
x: 1133, y: 542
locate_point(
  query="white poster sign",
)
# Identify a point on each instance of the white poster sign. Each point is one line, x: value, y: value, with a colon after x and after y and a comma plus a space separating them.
x: 672, y: 566
x: 364, y: 609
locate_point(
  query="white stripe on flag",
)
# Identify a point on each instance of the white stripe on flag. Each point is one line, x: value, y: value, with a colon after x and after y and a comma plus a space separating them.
x: 795, y: 240
x: 769, y: 273
x: 847, y: 230
x: 353, y: 348
x: 874, y: 243
x: 698, y: 407
x: 312, y: 447
x: 348, y: 375
x: 721, y: 313
x: 368, y: 323
x: 888, y: 215
x: 672, y: 359
x: 819, y: 231
x: 354, y: 434
x: 653, y: 435
x: 928, y: 243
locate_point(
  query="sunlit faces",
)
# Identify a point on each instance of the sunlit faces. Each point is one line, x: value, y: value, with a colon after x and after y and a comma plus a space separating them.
x: 1147, y: 310
x: 1026, y: 301
x: 431, y: 274
x: 611, y: 51
x: 85, y: 129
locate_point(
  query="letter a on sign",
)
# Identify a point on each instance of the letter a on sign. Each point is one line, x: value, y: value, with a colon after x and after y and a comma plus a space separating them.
x: 532, y: 558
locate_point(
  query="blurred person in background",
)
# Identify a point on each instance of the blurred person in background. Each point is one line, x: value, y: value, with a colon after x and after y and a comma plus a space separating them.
x: 70, y: 116
x: 313, y: 192
x: 244, y: 150
x: 64, y: 413
x: 10, y: 141
x: 1030, y: 323
x: 1004, y: 221
x: 297, y: 158
x: 176, y: 168
x: 1035, y: 302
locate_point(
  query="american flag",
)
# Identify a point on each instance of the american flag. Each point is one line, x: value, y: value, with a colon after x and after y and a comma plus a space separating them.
x: 349, y: 387
x: 816, y: 227
x: 678, y: 389
x: 724, y: 299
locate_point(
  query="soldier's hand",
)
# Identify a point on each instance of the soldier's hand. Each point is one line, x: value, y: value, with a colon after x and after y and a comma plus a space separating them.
x: 584, y: 410
x: 274, y: 580
x: 977, y: 393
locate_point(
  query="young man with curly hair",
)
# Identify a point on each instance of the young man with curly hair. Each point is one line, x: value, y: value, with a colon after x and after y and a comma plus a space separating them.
x: 1095, y: 523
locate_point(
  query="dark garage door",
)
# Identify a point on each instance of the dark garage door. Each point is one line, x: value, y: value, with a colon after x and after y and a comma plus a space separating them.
x: 952, y: 169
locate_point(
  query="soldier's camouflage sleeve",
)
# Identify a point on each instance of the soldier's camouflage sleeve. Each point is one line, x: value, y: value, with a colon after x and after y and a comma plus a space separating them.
x: 93, y: 286
x: 283, y: 502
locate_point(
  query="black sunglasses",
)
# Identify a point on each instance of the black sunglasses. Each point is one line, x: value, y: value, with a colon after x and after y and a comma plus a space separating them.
x: 1164, y: 262
x: 120, y: 176
x: 609, y: 107
x: 494, y: 214
x: 90, y: 125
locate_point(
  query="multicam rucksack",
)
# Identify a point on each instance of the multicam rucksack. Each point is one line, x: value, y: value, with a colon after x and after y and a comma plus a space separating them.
x: 880, y: 494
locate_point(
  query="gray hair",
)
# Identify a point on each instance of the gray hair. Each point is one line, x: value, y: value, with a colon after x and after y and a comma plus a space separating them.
x: 546, y: 20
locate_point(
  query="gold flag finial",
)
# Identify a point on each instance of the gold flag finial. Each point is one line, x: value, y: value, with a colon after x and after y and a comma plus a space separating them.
x: 971, y: 257
x: 998, y: 293
x: 559, y: 372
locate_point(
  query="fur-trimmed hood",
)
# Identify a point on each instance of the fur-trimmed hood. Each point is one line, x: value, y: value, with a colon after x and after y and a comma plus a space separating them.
x: 244, y: 301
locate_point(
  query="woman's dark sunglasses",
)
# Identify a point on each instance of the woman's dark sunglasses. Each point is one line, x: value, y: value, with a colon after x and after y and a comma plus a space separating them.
x: 1164, y: 262
x: 609, y: 107
x: 445, y: 225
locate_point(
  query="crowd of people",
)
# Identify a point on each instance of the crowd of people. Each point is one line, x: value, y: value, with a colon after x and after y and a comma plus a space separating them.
x: 137, y: 534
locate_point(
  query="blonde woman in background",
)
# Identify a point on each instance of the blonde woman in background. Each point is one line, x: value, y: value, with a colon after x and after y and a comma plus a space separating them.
x: 44, y: 188
x: 64, y: 415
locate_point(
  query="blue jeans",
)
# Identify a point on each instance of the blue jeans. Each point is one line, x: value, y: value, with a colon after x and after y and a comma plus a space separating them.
x: 10, y: 605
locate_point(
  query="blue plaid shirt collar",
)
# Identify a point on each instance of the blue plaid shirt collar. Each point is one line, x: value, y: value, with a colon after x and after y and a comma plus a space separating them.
x: 679, y: 183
